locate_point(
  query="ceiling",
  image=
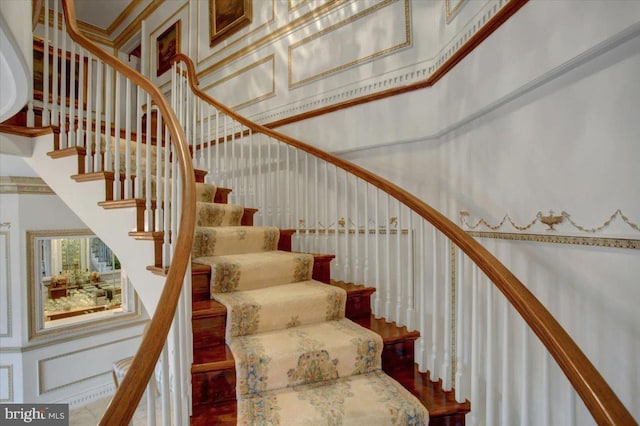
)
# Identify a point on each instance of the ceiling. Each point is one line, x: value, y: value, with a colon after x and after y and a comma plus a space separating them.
x: 101, y: 13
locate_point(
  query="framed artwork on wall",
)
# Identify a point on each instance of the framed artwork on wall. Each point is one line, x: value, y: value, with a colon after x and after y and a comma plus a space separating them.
x: 226, y: 17
x: 167, y: 45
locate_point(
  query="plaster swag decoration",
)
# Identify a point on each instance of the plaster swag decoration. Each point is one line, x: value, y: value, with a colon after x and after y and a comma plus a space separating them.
x: 551, y: 220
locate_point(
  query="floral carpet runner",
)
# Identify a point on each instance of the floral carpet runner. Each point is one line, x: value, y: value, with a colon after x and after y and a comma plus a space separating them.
x: 299, y: 361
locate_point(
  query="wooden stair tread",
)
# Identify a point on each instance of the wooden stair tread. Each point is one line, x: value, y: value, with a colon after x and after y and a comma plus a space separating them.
x: 352, y: 288
x: 207, y: 308
x: 389, y: 331
x: 438, y: 402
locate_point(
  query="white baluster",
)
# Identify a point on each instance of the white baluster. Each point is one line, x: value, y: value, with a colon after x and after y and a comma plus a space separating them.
x: 63, y: 90
x: 387, y: 284
x: 377, y: 296
x: 166, y: 252
x: 505, y: 403
x: 356, y: 236
x: 107, y: 121
x: 524, y: 368
x: 410, y: 274
x: 460, y: 326
x: 336, y: 236
x: 399, y: 282
x: 128, y: 193
x: 447, y: 329
x: 72, y: 96
x: 151, y: 401
x: 347, y: 236
x: 80, y: 141
x: 89, y: 144
x: 316, y: 204
x: 97, y: 157
x: 117, y: 149
x: 137, y: 186
x: 434, y: 307
x: 475, y: 347
x: 160, y: 148
x: 489, y: 387
x: 147, y: 169
x: 55, y: 108
x: 290, y: 219
x: 218, y: 171
x: 46, y: 116
x: 422, y: 297
x: 166, y: 390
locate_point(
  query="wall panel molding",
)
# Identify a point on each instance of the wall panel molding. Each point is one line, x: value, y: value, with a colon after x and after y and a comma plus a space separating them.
x: 24, y: 185
x: 6, y: 327
x: 53, y: 373
x: 321, y: 46
x: 6, y: 383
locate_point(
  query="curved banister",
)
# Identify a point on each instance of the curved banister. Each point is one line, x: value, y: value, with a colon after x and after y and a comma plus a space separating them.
x: 602, y: 402
x: 122, y: 406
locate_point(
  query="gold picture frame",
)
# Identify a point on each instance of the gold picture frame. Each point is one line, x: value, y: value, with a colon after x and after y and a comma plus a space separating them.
x: 167, y: 46
x: 227, y: 17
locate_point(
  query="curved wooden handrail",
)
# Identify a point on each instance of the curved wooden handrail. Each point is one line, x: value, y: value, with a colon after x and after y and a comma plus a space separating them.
x: 126, y: 399
x: 605, y: 407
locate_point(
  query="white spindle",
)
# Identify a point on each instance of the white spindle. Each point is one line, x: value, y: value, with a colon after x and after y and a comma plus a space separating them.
x: 128, y: 193
x: 305, y: 194
x: 107, y: 120
x: 148, y: 166
x: 336, y: 236
x: 447, y: 329
x: 97, y: 157
x: 387, y: 284
x: 326, y: 207
x: 166, y: 252
x: 399, y: 282
x: 72, y: 96
x: 347, y: 235
x: 410, y: 322
x: 288, y: 183
x: 117, y: 191
x: 63, y: 87
x: 209, y: 151
x: 460, y: 326
x: 505, y: 402
x: 218, y: 171
x: 88, y: 143
x: 56, y: 77
x: 489, y: 361
x: 525, y: 376
x: 435, y: 303
x: 165, y: 392
x: 356, y: 237
x: 137, y: 186
x: 160, y: 148
x: 316, y: 204
x: 377, y: 296
x: 46, y: 117
x: 151, y: 402
x: 80, y: 141
x: 475, y: 346
x: 422, y: 297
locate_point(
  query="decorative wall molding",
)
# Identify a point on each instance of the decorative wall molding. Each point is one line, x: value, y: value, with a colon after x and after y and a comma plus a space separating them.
x: 451, y: 8
x: 416, y: 73
x: 48, y: 384
x: 323, y: 59
x: 6, y: 379
x: 551, y: 220
x: 24, y: 185
x: 90, y: 395
x: 260, y: 79
x: 623, y: 243
x: 6, y: 326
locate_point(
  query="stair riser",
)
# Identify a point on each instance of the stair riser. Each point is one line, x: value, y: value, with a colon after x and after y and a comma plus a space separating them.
x: 214, y: 387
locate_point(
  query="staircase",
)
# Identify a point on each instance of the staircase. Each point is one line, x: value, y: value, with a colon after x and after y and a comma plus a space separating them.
x: 369, y: 231
x: 280, y: 300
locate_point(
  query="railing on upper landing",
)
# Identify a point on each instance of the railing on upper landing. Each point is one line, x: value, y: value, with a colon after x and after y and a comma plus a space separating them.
x: 97, y: 103
x: 429, y: 274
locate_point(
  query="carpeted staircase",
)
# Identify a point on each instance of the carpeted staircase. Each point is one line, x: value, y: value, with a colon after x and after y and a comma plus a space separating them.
x: 297, y: 359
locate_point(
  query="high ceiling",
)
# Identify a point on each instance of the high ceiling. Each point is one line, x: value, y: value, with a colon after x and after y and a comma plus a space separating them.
x: 101, y: 13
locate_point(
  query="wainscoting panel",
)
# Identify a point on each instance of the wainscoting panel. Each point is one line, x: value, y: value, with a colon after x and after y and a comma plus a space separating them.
x: 69, y: 368
x: 6, y: 383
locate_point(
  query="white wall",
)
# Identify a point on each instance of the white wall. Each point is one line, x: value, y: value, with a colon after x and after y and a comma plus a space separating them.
x: 71, y: 368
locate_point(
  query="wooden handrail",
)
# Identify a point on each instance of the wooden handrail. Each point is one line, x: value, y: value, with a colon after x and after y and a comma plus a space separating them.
x: 605, y: 407
x: 126, y: 399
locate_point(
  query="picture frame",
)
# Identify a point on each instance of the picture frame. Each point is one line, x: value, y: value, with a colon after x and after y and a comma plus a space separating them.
x: 38, y: 74
x: 167, y: 46
x: 226, y: 17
